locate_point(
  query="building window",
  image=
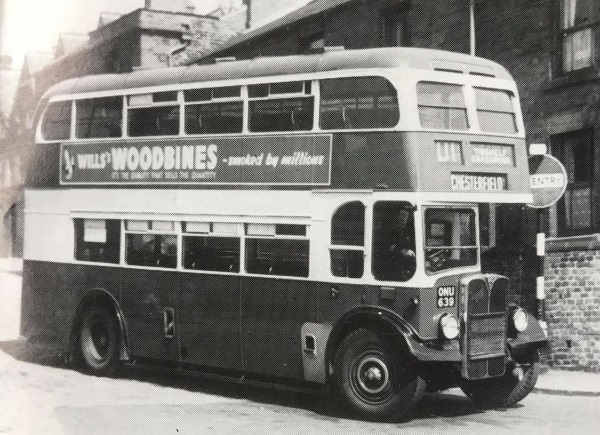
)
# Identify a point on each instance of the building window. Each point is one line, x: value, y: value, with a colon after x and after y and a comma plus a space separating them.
x: 574, y: 210
x: 395, y: 27
x: 578, y: 25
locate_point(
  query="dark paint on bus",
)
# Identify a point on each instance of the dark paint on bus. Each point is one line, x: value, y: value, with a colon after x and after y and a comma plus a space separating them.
x: 373, y: 160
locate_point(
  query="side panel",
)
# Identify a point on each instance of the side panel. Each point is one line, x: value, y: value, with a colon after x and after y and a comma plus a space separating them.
x: 272, y: 314
x: 145, y: 297
x: 208, y: 320
x: 51, y: 294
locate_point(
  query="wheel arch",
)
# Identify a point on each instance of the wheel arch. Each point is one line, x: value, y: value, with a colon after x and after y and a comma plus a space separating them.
x: 104, y: 298
x: 374, y: 318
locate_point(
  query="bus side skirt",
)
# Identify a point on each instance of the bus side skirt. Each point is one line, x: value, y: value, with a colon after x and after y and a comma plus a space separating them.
x: 101, y: 296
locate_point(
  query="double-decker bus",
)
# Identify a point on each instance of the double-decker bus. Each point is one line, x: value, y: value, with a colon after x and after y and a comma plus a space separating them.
x: 304, y: 220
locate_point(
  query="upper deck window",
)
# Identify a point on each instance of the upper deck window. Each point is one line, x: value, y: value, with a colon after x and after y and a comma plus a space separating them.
x: 154, y: 114
x: 495, y: 111
x: 57, y: 121
x: 358, y: 103
x: 99, y: 117
x: 442, y: 106
x: 205, y: 116
x: 274, y: 112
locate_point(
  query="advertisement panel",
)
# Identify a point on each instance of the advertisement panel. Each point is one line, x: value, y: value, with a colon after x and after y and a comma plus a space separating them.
x: 273, y: 160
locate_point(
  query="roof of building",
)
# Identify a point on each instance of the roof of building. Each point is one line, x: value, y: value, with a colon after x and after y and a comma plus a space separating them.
x: 70, y: 42
x: 9, y: 80
x: 388, y: 57
x: 313, y: 8
x: 35, y: 61
x: 108, y: 17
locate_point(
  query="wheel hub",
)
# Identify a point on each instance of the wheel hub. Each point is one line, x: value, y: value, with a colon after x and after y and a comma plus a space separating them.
x: 372, y: 375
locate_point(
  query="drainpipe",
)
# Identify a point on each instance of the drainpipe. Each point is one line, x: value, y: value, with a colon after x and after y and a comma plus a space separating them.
x: 472, y: 25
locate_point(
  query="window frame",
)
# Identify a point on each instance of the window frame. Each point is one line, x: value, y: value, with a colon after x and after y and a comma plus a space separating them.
x: 213, y: 101
x: 567, y: 30
x: 177, y: 103
x: 345, y: 247
x: 123, y: 119
x: 558, y: 150
x: 465, y: 89
x: 245, y: 237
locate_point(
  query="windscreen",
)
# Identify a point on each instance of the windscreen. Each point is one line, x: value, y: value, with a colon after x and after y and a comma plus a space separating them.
x: 450, y: 239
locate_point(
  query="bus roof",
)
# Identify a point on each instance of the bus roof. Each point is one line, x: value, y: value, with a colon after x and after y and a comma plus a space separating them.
x: 376, y: 58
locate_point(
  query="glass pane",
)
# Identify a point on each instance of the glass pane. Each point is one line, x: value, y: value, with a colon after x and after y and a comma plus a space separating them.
x: 57, y: 121
x: 219, y: 254
x: 492, y: 99
x: 281, y: 115
x: 577, y: 50
x: 440, y: 94
x: 443, y: 118
x: 257, y: 91
x: 347, y: 263
x: 581, y: 211
x: 290, y: 230
x: 286, y: 88
x: 152, y: 250
x: 497, y: 122
x: 197, y: 95
x: 348, y: 225
x: 162, y: 97
x: 577, y: 12
x: 450, y: 239
x: 365, y: 102
x: 277, y: 257
x: 99, y: 117
x: 214, y: 118
x: 97, y: 240
x: 394, y: 256
x: 154, y: 121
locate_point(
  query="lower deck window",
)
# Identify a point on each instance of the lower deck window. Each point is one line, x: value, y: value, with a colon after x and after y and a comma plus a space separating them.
x: 97, y: 240
x: 277, y: 257
x: 218, y: 254
x: 152, y: 250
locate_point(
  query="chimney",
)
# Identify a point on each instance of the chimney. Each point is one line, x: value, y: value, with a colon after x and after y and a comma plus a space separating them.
x: 171, y: 5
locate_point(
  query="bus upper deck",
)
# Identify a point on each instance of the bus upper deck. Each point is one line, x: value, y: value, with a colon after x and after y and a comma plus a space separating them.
x: 358, y: 119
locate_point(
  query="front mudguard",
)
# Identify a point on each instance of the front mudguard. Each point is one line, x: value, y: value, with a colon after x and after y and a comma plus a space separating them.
x: 532, y: 338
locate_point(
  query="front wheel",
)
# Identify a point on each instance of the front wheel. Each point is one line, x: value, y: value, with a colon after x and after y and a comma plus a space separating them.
x: 506, y: 390
x: 98, y: 341
x: 371, y: 380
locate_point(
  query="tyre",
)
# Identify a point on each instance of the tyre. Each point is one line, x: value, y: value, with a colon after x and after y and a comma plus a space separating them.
x: 506, y: 390
x: 99, y: 341
x: 373, y: 379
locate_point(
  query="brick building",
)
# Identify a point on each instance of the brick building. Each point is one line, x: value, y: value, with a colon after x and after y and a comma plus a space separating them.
x: 163, y: 33
x: 551, y: 48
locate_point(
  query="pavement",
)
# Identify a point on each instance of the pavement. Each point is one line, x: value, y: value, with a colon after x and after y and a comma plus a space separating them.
x: 551, y: 381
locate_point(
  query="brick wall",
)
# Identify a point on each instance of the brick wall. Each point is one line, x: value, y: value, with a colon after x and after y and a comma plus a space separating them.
x: 573, y: 309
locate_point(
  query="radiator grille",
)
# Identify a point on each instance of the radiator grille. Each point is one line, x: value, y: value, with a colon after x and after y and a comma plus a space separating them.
x: 484, y: 332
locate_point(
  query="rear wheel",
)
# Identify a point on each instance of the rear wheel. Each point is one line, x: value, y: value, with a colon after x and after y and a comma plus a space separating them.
x: 372, y: 380
x: 508, y: 389
x: 98, y: 341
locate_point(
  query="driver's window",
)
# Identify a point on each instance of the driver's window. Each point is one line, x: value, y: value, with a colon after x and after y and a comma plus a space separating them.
x: 393, y: 241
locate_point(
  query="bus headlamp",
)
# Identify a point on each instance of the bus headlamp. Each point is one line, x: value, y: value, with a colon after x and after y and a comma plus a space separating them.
x: 449, y: 326
x: 520, y: 320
